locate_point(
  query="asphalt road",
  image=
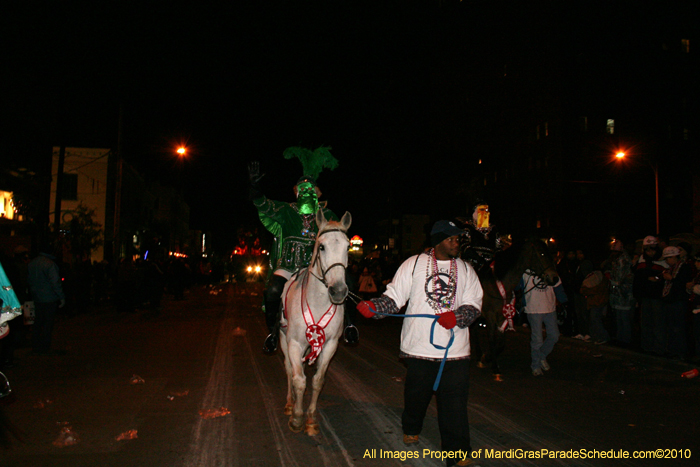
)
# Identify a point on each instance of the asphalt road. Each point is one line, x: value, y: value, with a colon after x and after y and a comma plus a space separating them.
x: 203, y: 354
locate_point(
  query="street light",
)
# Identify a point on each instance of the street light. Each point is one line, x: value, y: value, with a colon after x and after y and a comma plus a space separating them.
x: 655, y: 167
x: 182, y: 150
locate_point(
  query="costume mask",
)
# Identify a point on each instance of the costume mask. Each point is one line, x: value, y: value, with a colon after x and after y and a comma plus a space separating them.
x: 481, y: 216
x: 307, y: 201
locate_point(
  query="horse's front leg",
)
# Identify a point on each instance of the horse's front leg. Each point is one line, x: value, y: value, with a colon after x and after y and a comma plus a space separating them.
x: 497, y: 341
x: 289, y: 370
x: 296, y: 420
x: 317, y: 381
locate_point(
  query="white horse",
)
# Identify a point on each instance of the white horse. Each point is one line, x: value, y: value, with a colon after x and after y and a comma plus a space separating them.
x: 312, y: 321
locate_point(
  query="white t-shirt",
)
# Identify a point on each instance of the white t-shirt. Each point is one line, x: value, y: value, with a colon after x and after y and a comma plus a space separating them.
x: 417, y: 284
x: 539, y: 297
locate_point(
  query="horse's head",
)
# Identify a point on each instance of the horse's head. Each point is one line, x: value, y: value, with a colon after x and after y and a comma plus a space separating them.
x: 541, y: 262
x: 331, y: 255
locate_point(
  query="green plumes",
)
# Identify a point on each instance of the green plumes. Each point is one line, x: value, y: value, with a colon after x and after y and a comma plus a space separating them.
x: 313, y: 162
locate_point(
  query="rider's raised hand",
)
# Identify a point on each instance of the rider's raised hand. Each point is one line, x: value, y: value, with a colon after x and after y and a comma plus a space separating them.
x: 254, y: 174
x: 365, y: 308
x: 447, y: 320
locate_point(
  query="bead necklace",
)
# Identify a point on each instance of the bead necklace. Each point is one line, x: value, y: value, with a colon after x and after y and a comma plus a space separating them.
x: 441, y: 296
x: 306, y: 221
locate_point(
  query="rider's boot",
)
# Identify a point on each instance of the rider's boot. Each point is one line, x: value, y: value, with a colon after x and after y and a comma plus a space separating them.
x: 270, y: 345
x: 273, y: 324
x: 273, y: 306
x: 351, y: 335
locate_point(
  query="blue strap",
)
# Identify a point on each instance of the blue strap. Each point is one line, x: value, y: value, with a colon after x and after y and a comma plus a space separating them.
x: 432, y: 333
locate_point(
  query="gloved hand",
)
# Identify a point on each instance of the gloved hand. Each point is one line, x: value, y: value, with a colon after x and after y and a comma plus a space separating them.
x: 447, y: 320
x: 254, y: 174
x: 365, y: 308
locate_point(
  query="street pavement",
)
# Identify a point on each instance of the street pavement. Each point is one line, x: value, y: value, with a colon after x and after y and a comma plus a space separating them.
x: 190, y: 386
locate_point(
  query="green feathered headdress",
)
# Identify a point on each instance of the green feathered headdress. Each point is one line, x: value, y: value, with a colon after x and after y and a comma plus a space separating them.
x: 313, y: 162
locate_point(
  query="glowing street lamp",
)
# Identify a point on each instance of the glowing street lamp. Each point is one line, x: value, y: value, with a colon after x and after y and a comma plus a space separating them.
x: 655, y: 167
x: 182, y: 150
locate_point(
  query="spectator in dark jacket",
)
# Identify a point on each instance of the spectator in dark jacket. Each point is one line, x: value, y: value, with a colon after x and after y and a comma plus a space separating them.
x: 675, y: 301
x: 647, y: 287
x: 584, y: 268
x: 47, y: 292
x: 595, y: 289
x: 693, y: 288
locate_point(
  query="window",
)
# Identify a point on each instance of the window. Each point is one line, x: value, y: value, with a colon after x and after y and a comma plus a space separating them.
x: 610, y: 129
x: 686, y: 45
x: 546, y: 129
x: 69, y: 191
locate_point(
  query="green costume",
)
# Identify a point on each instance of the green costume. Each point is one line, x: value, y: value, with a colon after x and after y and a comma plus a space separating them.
x: 295, y: 233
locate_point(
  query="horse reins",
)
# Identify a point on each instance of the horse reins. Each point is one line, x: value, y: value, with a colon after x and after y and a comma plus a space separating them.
x: 315, y: 331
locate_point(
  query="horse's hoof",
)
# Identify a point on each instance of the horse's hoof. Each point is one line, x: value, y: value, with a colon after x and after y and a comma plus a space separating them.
x: 481, y: 364
x: 288, y: 409
x: 497, y: 377
x: 294, y: 428
x: 312, y: 429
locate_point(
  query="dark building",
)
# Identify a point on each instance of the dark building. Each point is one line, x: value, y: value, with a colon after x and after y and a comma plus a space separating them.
x: 550, y: 95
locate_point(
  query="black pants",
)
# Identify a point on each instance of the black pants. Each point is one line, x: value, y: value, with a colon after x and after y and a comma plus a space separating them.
x: 273, y: 300
x: 44, y: 320
x: 452, y: 396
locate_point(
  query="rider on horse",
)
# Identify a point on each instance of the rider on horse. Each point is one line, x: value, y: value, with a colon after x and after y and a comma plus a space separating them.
x: 294, y: 228
x: 480, y: 242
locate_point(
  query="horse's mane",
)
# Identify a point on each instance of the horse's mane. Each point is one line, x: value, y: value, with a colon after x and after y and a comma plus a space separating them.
x: 507, y: 259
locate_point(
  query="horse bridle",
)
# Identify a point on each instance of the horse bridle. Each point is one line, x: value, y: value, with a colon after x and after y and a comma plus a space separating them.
x: 320, y: 261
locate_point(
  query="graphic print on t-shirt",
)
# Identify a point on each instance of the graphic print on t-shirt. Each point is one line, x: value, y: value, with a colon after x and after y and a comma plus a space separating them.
x: 440, y: 291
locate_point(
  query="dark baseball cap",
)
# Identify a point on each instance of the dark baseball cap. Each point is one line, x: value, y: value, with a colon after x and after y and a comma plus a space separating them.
x: 443, y: 229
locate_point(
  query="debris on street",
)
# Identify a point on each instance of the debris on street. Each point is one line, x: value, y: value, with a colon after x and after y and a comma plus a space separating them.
x: 136, y: 379
x: 131, y: 434
x: 214, y: 413
x: 67, y: 437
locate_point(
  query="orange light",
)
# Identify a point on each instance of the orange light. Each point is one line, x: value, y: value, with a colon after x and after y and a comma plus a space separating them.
x: 620, y: 155
x: 182, y: 150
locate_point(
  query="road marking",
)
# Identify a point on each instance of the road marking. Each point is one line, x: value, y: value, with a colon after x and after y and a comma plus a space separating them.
x: 385, y: 423
x: 213, y: 441
x: 272, y: 413
x: 336, y: 439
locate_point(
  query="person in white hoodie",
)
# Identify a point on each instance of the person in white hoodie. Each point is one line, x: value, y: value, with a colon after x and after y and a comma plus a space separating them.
x: 540, y: 304
x: 435, y: 283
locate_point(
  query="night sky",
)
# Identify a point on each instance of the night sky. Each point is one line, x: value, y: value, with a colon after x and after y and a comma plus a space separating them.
x: 241, y: 81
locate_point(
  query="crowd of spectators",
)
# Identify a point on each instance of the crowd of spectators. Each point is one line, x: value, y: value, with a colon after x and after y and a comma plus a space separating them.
x: 645, y: 296
x: 129, y: 286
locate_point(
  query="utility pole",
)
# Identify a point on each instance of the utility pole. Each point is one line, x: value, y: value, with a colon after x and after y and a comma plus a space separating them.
x: 118, y: 191
x: 59, y: 189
